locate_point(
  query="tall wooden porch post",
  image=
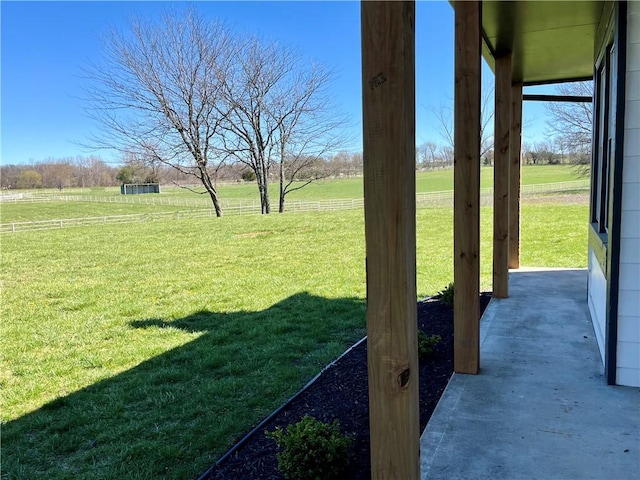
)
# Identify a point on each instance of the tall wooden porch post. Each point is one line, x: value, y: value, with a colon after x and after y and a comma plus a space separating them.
x: 502, y: 132
x: 466, y: 188
x: 388, y: 93
x: 514, y: 175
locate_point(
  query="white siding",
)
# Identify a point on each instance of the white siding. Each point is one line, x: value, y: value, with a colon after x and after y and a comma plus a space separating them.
x: 597, y: 300
x: 628, y: 348
x: 628, y: 328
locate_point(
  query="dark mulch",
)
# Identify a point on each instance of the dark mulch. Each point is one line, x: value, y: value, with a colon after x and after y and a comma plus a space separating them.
x: 341, y: 392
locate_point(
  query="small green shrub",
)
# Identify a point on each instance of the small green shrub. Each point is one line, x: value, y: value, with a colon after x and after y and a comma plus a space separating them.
x: 248, y: 175
x: 426, y: 344
x: 311, y: 449
x: 446, y: 295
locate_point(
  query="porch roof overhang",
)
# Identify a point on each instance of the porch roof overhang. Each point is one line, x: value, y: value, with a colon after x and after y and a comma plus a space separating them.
x: 550, y: 42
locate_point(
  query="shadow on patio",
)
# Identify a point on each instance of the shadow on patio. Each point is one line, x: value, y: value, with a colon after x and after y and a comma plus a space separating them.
x: 540, y: 407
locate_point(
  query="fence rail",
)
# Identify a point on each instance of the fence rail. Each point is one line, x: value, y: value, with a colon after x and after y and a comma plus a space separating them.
x: 230, y: 204
x: 119, y: 199
x: 203, y: 208
x: 103, y: 220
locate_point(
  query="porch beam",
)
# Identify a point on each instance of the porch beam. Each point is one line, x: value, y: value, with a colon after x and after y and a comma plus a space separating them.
x: 466, y: 189
x: 502, y: 132
x: 557, y: 98
x: 388, y: 86
x: 515, y: 175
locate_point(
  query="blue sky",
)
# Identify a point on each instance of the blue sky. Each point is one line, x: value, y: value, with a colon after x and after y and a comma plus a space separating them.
x: 44, y: 46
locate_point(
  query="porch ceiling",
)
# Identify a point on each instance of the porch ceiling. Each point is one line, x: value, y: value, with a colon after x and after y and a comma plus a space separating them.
x: 549, y: 41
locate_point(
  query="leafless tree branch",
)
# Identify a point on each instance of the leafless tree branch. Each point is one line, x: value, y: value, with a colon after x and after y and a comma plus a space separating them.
x: 156, y: 93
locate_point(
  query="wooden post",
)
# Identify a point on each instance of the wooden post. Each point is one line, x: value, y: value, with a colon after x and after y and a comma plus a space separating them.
x: 466, y: 188
x: 514, y: 175
x: 501, y: 177
x: 388, y: 91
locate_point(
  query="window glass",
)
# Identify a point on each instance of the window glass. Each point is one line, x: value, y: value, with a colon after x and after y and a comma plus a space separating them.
x: 604, y: 139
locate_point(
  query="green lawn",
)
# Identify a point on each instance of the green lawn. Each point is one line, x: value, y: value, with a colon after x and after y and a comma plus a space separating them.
x: 433, y: 181
x: 51, y: 210
x: 144, y: 350
x: 345, y: 188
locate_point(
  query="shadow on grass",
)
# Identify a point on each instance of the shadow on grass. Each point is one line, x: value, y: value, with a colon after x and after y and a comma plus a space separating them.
x: 172, y: 416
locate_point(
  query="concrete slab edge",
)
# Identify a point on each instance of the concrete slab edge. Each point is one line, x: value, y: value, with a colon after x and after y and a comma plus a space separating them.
x: 435, y: 431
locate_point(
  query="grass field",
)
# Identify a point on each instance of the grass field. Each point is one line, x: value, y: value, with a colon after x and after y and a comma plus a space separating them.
x: 345, y: 188
x: 431, y: 181
x: 26, y: 212
x: 144, y: 350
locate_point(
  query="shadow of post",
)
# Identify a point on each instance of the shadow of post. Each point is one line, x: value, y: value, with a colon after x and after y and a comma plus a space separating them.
x: 174, y: 414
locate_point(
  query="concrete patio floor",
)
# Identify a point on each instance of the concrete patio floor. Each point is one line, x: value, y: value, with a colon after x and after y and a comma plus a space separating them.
x: 540, y: 407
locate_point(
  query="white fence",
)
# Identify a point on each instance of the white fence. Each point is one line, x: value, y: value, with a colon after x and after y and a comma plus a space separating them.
x: 203, y: 207
x: 12, y: 197
x: 120, y: 199
x: 423, y: 197
x: 427, y: 199
x: 544, y: 188
x: 104, y: 220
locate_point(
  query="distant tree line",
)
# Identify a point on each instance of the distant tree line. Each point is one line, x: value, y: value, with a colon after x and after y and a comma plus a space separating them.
x: 79, y: 172
x: 92, y: 171
x: 434, y: 156
x: 60, y: 173
x: 138, y: 169
x: 569, y: 127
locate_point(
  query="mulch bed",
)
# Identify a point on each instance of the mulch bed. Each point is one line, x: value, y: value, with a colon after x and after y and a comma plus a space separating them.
x: 342, y: 392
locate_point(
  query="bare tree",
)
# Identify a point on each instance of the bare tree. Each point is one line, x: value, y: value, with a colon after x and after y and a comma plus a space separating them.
x: 540, y: 153
x: 572, y: 123
x: 92, y: 171
x: 444, y: 115
x: 345, y: 164
x: 56, y: 173
x: 249, y: 132
x: 145, y: 163
x: 191, y: 94
x: 572, y: 120
x: 427, y: 154
x: 158, y: 90
x: 277, y: 112
x: 308, y: 128
x: 61, y: 173
x: 10, y: 174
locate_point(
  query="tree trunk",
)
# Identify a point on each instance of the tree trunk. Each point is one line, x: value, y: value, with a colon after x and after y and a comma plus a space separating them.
x: 282, y: 192
x: 213, y: 193
x: 266, y: 204
x: 262, y: 177
x: 216, y: 203
x: 263, y: 189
